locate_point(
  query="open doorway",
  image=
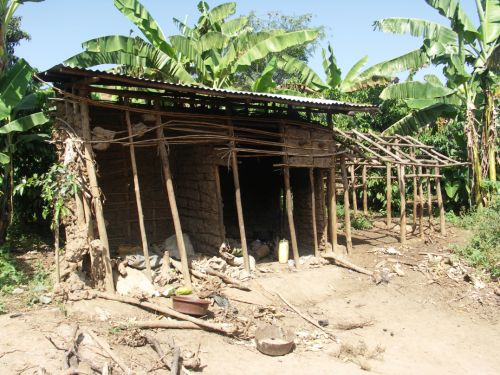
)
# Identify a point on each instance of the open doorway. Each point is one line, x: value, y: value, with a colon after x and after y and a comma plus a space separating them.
x: 261, y: 186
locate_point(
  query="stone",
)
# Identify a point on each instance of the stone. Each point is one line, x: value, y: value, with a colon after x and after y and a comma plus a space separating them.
x: 135, y: 283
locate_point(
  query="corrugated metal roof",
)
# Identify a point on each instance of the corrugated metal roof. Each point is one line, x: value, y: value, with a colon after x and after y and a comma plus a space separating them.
x: 64, y: 74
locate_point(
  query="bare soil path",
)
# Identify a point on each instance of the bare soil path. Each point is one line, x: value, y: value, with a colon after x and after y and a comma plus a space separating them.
x: 418, y: 325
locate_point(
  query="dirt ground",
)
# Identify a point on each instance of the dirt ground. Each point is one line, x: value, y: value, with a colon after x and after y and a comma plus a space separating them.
x: 419, y: 322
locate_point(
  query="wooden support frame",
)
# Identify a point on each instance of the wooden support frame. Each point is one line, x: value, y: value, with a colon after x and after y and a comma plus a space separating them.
x: 96, y: 194
x: 167, y: 175
x: 237, y: 194
x: 442, y: 225
x: 332, y: 206
x: 429, y: 202
x: 415, y: 194
x: 364, y: 182
x: 402, y: 209
x: 137, y: 189
x: 291, y: 223
x: 313, y: 212
x: 388, y: 194
x: 289, y: 202
x: 353, y: 190
x: 347, y: 213
x: 421, y: 212
x: 239, y: 210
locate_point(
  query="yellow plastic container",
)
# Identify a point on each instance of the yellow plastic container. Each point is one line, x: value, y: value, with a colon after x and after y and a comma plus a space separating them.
x: 283, y: 251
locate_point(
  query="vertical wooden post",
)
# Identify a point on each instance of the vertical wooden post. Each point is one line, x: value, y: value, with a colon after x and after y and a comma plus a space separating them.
x: 365, y: 190
x: 137, y: 188
x: 347, y: 217
x: 291, y: 223
x: 415, y: 192
x: 323, y: 205
x: 96, y: 194
x: 332, y: 206
x: 402, y: 210
x: 313, y: 212
x: 421, y: 195
x: 388, y: 193
x: 429, y: 200
x: 239, y: 209
x: 167, y: 175
x: 440, y: 202
x: 220, y: 204
x: 354, y: 195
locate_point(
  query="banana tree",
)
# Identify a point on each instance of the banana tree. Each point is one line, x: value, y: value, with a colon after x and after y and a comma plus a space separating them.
x: 466, y: 54
x: 213, y: 52
x: 7, y: 10
x: 13, y: 122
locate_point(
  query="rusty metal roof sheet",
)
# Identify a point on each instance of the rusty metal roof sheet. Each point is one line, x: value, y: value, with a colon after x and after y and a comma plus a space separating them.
x: 63, y: 74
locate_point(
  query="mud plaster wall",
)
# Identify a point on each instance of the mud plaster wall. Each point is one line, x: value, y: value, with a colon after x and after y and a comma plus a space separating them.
x: 193, y: 173
x: 195, y: 186
x: 116, y: 183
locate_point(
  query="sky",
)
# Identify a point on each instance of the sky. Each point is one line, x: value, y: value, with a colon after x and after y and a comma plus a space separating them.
x: 58, y: 27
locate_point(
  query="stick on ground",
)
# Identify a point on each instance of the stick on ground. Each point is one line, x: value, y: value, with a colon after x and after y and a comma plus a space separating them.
x: 346, y: 263
x: 225, y: 329
x: 305, y: 317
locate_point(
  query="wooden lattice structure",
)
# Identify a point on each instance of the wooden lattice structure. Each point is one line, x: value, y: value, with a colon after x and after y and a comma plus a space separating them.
x: 221, y: 163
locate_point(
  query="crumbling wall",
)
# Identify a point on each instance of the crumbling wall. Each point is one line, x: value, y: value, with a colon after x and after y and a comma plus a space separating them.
x: 302, y: 209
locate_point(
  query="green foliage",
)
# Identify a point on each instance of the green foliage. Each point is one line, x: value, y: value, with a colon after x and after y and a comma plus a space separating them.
x: 483, y: 250
x: 361, y: 222
x: 9, y: 275
x: 57, y: 185
x: 215, y: 52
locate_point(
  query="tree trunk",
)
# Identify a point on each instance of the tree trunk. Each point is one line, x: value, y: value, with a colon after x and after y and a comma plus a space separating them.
x: 473, y: 153
x: 5, y: 204
x: 490, y: 140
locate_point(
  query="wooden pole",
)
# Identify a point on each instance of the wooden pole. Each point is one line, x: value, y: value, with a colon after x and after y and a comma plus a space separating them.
x: 323, y: 204
x: 239, y: 209
x: 365, y: 190
x: 96, y: 194
x: 332, y: 206
x: 167, y: 175
x: 137, y: 188
x: 421, y: 213
x: 440, y: 202
x: 220, y: 204
x: 347, y: 218
x: 402, y: 210
x: 354, y: 195
x: 429, y: 201
x: 389, y: 195
x: 313, y: 212
x: 289, y: 209
x: 415, y: 194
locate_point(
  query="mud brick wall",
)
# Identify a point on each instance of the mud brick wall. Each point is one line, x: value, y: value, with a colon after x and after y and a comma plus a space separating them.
x: 193, y: 170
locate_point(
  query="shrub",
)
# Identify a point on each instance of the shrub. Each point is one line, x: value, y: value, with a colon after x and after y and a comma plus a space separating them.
x: 9, y: 275
x: 483, y: 249
x: 361, y: 222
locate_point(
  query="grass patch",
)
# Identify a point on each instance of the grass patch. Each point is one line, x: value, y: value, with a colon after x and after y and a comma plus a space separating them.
x: 483, y: 249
